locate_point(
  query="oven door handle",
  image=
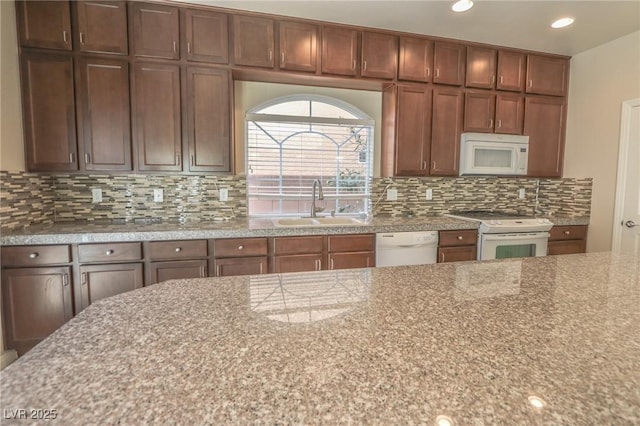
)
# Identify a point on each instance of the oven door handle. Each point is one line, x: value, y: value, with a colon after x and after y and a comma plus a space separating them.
x: 511, y: 237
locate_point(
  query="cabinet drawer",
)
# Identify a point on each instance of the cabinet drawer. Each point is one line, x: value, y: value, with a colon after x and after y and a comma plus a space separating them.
x: 187, y: 249
x: 35, y: 255
x: 575, y: 232
x: 297, y: 245
x: 458, y: 238
x: 351, y: 243
x: 116, y: 252
x: 240, y: 247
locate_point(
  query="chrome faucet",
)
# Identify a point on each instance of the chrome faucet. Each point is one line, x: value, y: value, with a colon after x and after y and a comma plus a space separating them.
x: 314, y: 209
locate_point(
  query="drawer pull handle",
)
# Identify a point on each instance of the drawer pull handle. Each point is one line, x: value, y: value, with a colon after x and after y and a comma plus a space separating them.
x: 240, y: 247
x: 567, y: 232
x: 109, y: 252
x: 460, y: 237
x: 33, y: 255
x: 178, y: 249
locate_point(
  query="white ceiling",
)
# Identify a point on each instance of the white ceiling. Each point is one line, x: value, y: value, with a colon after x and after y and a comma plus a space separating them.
x: 515, y: 23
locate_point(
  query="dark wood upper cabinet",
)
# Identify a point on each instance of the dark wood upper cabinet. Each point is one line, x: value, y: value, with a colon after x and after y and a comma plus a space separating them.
x: 479, y: 111
x: 206, y: 36
x: 102, y: 26
x: 413, y: 134
x: 339, y: 51
x: 379, y: 55
x: 45, y: 24
x: 544, y: 121
x: 156, y: 30
x: 49, y: 112
x: 156, y: 116
x: 481, y: 67
x: 547, y: 75
x: 449, y: 63
x: 509, y: 113
x: 208, y: 120
x: 416, y: 56
x: 298, y: 46
x: 104, y: 114
x: 511, y: 70
x: 253, y: 41
x: 446, y: 127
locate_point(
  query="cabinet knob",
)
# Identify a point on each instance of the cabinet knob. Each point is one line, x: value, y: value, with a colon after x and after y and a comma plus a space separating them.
x: 178, y: 249
x: 460, y: 237
x: 109, y: 252
x: 240, y: 247
x: 567, y: 232
x: 33, y: 255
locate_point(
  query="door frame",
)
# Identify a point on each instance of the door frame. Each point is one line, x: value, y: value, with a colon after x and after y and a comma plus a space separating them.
x: 623, y: 164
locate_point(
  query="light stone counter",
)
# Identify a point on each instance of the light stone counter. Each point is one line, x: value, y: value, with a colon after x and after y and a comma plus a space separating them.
x: 87, y: 233
x: 472, y: 341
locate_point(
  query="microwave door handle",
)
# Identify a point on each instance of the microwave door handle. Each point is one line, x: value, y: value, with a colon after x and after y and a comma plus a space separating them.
x: 511, y: 237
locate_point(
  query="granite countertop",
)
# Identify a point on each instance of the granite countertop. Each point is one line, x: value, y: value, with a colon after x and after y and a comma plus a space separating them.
x: 70, y: 233
x: 473, y: 341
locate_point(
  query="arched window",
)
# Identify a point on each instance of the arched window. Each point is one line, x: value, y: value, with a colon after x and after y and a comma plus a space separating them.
x: 294, y: 140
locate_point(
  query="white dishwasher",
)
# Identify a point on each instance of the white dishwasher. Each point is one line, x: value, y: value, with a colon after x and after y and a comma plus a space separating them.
x: 406, y: 248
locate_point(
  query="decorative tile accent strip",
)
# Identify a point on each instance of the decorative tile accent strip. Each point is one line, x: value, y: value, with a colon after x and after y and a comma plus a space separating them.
x: 566, y: 197
x: 25, y: 199
x: 130, y: 197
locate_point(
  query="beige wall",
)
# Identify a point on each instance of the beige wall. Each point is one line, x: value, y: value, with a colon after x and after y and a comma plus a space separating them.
x: 249, y: 94
x: 601, y: 79
x: 11, y: 142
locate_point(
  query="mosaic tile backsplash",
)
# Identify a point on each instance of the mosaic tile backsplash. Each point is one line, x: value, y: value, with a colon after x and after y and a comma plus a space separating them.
x: 29, y: 198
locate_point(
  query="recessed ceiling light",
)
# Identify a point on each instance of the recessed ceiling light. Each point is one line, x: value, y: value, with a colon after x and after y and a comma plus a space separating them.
x: 462, y: 5
x: 562, y: 22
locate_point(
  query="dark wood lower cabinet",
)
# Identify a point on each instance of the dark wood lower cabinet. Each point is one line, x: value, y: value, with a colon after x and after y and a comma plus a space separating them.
x: 240, y: 266
x: 458, y: 245
x: 177, y: 270
x: 567, y: 240
x: 364, y: 259
x: 35, y: 302
x: 456, y: 254
x: 297, y: 263
x: 102, y: 281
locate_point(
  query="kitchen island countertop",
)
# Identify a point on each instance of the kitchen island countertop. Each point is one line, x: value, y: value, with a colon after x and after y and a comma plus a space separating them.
x: 75, y: 233
x: 475, y: 342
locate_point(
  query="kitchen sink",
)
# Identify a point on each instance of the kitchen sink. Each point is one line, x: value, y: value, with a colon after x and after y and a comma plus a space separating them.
x: 317, y: 221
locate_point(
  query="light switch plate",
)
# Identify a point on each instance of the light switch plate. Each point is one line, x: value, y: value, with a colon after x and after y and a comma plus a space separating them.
x: 158, y: 195
x: 521, y: 193
x: 224, y: 194
x: 96, y: 195
x: 392, y: 194
x: 429, y: 194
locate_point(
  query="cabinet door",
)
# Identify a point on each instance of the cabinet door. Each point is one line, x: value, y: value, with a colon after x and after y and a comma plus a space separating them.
x: 509, y: 113
x: 156, y: 30
x: 479, y: 110
x: 206, y: 36
x: 208, y: 120
x: 415, y: 59
x: 448, y: 63
x: 544, y: 121
x: 240, y: 266
x: 253, y: 41
x: 156, y: 119
x: 104, y: 114
x: 102, y: 26
x: 481, y: 67
x: 297, y: 263
x: 49, y: 112
x: 379, y: 55
x: 45, y: 24
x: 102, y: 281
x: 511, y: 70
x: 412, y: 151
x: 446, y: 127
x: 177, y: 270
x: 298, y: 46
x: 456, y: 254
x: 35, y: 302
x: 352, y: 260
x: 566, y: 247
x: 547, y: 75
x: 339, y: 51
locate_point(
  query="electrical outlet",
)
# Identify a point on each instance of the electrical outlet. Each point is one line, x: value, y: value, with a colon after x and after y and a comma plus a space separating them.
x: 392, y: 194
x: 429, y: 194
x: 521, y: 193
x: 158, y: 195
x: 96, y: 195
x: 224, y: 194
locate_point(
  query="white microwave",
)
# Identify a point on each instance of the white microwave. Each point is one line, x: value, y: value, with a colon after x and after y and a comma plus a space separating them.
x: 492, y: 154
